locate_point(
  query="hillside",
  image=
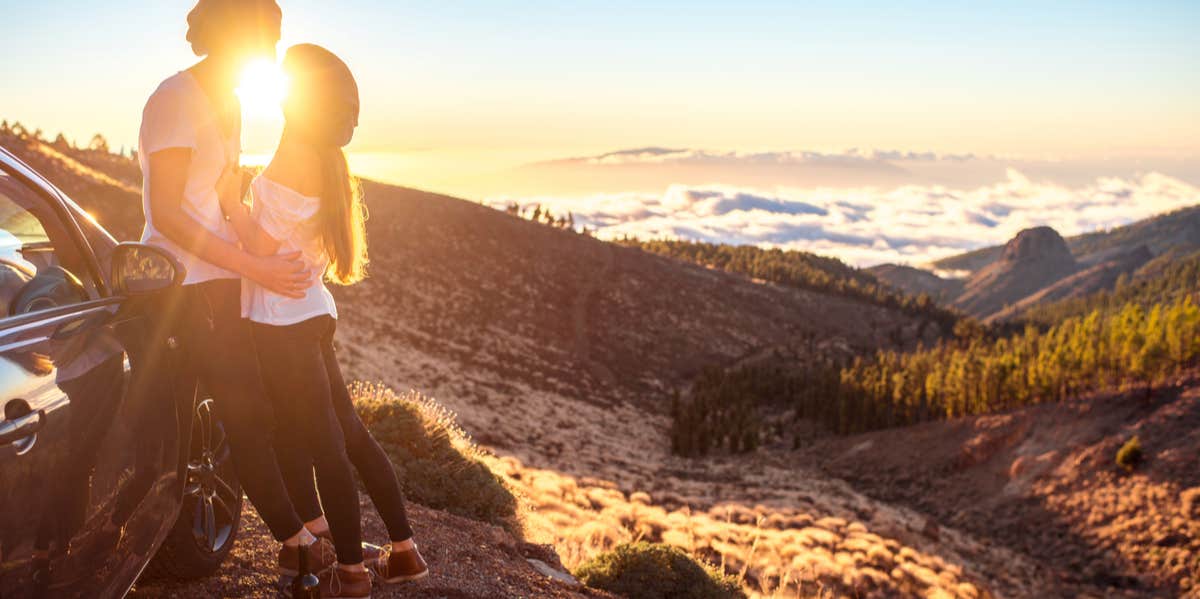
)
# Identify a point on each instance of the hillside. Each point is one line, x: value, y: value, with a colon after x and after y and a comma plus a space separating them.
x: 999, y: 286
x: 561, y: 352
x: 1179, y: 229
x: 1043, y: 482
x: 1033, y: 260
x: 916, y: 280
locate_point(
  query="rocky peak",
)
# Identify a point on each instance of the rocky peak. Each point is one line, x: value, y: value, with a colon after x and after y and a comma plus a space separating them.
x: 1036, y: 243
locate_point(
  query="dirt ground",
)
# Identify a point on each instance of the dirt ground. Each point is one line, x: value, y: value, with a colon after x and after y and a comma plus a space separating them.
x: 467, y: 560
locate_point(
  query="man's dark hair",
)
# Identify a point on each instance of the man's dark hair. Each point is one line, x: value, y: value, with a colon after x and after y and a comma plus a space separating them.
x: 213, y: 20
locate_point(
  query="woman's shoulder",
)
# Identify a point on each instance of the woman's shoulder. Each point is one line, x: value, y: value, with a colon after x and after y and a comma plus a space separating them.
x: 297, y: 172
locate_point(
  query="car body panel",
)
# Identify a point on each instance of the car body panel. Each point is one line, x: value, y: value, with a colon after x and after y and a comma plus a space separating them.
x: 87, y: 499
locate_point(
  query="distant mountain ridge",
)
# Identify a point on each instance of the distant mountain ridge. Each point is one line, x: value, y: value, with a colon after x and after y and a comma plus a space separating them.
x: 1038, y: 266
x: 1178, y: 229
x: 1034, y: 259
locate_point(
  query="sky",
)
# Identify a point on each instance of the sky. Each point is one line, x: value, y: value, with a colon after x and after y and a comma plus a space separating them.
x: 491, y: 99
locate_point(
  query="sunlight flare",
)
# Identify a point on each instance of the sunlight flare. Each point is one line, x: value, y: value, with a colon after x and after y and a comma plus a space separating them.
x: 262, y: 88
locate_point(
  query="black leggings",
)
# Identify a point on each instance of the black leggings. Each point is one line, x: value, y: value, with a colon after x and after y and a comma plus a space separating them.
x: 318, y: 428
x: 220, y: 349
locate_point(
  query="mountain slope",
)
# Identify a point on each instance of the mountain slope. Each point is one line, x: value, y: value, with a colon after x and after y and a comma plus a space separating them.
x: 1033, y: 260
x: 917, y: 281
x: 1178, y: 229
x: 1043, y: 482
x: 1099, y: 277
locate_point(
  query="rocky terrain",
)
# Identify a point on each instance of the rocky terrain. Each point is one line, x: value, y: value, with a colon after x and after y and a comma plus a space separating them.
x: 1044, y: 482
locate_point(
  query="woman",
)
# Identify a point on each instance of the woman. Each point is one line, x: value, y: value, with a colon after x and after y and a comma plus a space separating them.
x: 306, y: 202
x: 190, y: 136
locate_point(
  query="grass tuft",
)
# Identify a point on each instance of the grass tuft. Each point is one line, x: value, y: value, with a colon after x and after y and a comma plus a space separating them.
x: 438, y: 464
x: 656, y: 571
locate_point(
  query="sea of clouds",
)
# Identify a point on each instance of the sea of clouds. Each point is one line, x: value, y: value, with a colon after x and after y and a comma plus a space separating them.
x: 908, y: 224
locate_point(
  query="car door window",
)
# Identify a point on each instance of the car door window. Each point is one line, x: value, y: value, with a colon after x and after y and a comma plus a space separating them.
x: 41, y: 267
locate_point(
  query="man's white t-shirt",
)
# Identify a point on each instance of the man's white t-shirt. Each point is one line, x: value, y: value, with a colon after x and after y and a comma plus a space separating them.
x: 291, y: 219
x: 180, y: 115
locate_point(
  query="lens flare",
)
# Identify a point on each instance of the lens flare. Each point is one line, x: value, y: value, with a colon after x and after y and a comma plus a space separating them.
x: 261, y: 90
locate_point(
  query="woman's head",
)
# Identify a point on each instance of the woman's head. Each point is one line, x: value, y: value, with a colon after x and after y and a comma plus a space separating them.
x: 322, y: 110
x: 239, y: 30
x: 322, y: 102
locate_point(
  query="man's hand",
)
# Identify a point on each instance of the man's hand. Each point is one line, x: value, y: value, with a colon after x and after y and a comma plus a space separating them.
x: 284, y: 274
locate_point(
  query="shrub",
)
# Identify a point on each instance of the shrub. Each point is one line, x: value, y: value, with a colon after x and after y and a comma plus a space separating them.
x: 656, y: 571
x: 438, y: 465
x: 1130, y: 454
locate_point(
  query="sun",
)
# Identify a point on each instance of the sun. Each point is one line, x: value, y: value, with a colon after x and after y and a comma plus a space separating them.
x: 262, y: 88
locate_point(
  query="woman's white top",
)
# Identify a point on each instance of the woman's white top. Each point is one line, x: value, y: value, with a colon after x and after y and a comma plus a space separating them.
x: 180, y: 115
x: 291, y: 219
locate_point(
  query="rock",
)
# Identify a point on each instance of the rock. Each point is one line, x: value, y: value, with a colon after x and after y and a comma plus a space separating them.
x: 556, y: 575
x: 1038, y: 242
x: 543, y: 553
x: 931, y: 529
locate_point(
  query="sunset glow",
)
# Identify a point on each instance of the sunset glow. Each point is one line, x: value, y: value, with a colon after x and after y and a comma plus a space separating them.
x: 262, y: 89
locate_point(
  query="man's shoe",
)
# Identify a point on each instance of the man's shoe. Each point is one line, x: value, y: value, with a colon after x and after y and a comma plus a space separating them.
x: 337, y: 583
x: 399, y: 566
x: 370, y: 552
x: 321, y: 556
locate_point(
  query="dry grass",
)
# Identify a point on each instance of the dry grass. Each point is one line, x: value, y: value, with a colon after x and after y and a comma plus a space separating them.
x: 772, y: 552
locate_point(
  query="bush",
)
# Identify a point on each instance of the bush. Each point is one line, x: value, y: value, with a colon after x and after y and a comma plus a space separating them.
x: 1130, y: 454
x: 438, y: 465
x: 656, y: 571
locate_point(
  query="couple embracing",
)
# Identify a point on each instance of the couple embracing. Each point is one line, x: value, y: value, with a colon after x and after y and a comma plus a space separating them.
x: 257, y: 320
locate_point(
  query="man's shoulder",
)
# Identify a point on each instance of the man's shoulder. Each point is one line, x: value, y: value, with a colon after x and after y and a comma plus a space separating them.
x: 177, y: 88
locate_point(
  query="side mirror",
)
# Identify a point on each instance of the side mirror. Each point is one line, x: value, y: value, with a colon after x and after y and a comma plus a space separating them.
x: 140, y: 269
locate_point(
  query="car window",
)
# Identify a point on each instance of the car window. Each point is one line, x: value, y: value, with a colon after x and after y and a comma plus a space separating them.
x: 41, y: 267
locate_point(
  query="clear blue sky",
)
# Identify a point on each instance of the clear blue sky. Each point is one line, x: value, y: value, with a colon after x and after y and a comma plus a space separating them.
x: 549, y: 77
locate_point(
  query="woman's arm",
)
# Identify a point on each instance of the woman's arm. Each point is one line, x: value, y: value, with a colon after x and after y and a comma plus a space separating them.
x: 168, y: 177
x: 254, y: 239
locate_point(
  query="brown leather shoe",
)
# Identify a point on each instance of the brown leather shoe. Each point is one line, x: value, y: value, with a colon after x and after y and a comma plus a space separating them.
x: 370, y: 552
x: 399, y: 566
x: 321, y: 556
x: 337, y: 583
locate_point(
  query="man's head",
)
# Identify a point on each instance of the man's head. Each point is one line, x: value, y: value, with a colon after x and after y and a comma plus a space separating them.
x: 238, y: 30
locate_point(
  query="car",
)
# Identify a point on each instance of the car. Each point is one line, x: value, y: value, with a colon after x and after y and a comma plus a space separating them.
x: 112, y: 462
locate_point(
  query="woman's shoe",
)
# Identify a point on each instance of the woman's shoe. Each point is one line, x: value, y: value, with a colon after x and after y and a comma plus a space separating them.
x: 399, y: 566
x: 321, y: 556
x: 337, y: 583
x: 370, y: 552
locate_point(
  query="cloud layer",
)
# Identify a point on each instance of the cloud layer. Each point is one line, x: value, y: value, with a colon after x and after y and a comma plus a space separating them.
x: 911, y: 224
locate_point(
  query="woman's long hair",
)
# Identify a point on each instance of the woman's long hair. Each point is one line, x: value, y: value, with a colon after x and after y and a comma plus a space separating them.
x: 323, y: 104
x: 343, y: 219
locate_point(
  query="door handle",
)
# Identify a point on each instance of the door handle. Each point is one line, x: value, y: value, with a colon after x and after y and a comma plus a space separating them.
x: 26, y: 426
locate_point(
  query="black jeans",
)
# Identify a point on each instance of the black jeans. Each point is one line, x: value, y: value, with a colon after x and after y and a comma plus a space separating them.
x: 220, y: 350
x: 318, y: 428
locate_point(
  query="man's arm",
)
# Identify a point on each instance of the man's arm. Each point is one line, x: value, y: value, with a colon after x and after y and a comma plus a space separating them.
x: 168, y: 177
x: 254, y: 239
